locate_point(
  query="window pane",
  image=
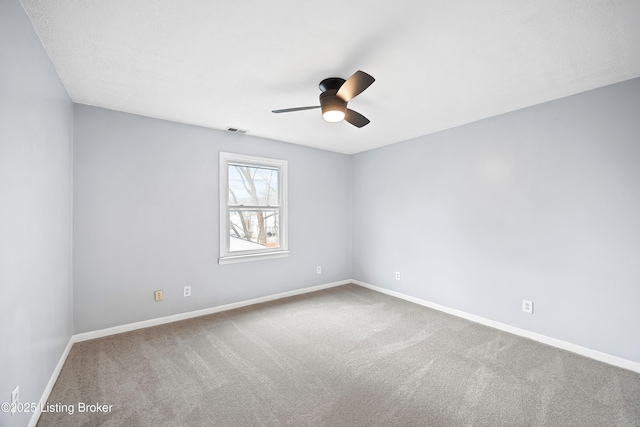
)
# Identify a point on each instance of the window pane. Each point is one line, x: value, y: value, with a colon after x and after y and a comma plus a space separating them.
x: 253, y: 186
x: 253, y: 229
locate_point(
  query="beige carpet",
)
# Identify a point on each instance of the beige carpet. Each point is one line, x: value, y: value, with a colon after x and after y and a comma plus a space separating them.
x: 345, y: 356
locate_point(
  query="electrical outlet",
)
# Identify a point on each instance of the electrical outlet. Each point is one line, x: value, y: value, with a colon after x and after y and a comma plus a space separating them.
x: 186, y: 291
x: 397, y: 275
x: 527, y: 306
x: 158, y: 295
x: 15, y: 399
x: 319, y: 269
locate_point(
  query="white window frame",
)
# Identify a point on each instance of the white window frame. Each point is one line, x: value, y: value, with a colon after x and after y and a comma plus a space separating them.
x: 227, y: 257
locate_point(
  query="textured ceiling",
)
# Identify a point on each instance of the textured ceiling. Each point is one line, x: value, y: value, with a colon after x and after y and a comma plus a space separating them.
x: 437, y: 64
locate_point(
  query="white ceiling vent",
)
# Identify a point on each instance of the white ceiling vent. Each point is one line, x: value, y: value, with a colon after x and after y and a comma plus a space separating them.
x: 236, y: 130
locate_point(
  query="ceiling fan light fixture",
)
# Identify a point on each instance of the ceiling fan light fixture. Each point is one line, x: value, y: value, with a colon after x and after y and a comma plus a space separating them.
x: 333, y: 107
x: 333, y: 115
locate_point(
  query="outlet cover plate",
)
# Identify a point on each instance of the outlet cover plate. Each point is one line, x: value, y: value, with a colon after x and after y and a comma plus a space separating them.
x: 186, y: 291
x: 527, y: 306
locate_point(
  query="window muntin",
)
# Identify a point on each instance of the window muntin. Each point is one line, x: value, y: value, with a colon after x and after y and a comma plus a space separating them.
x: 252, y: 208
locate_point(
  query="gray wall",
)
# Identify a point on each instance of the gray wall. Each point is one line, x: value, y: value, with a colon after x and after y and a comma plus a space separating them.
x: 36, y: 118
x: 146, y: 218
x: 541, y: 204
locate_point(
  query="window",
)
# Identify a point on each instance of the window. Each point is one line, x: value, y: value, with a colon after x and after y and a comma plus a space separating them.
x: 253, y: 208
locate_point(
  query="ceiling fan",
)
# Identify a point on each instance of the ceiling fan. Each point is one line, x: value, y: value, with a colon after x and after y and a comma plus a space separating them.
x: 336, y: 93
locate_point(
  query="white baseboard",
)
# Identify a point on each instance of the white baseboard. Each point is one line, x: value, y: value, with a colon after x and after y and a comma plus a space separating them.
x: 52, y: 381
x: 191, y: 314
x: 554, y: 342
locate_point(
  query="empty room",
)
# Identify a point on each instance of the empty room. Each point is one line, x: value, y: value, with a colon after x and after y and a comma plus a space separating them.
x: 319, y: 214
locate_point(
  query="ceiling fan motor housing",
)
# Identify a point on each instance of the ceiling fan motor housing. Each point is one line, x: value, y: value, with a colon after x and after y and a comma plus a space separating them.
x: 331, y: 83
x: 330, y: 103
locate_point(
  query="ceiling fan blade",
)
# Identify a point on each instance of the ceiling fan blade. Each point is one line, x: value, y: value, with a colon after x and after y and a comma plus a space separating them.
x: 355, y: 85
x: 288, y: 110
x: 355, y: 118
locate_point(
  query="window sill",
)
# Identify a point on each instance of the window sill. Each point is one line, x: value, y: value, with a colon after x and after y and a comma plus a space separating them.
x: 233, y: 259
